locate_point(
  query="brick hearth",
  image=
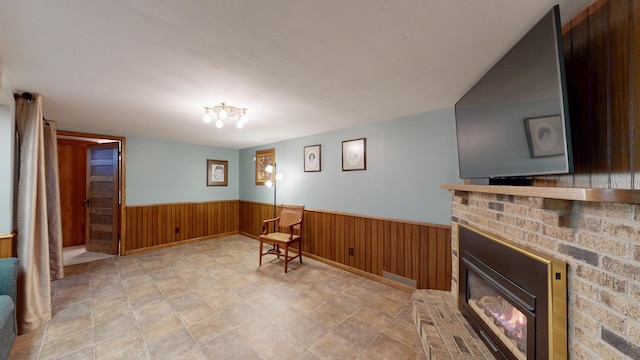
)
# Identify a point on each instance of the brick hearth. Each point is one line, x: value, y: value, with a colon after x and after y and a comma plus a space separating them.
x: 444, y: 332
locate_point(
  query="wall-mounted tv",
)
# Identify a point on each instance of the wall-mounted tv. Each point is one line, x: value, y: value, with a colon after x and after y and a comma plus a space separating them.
x: 515, y: 121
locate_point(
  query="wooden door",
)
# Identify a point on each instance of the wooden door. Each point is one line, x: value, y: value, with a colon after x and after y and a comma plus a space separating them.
x: 72, y: 169
x: 102, y: 198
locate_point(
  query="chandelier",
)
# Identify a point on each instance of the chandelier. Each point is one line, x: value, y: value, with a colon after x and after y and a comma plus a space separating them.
x: 225, y: 112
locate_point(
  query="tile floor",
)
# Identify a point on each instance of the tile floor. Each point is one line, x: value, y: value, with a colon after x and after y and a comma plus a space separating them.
x: 210, y: 300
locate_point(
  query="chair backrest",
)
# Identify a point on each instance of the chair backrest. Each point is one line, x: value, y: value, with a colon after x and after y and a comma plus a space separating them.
x: 290, y: 214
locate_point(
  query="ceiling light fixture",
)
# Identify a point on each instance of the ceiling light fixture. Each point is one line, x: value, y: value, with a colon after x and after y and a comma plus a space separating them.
x: 225, y: 112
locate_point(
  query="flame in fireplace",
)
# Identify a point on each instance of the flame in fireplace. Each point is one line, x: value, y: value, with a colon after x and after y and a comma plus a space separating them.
x: 509, y: 320
x: 516, y: 326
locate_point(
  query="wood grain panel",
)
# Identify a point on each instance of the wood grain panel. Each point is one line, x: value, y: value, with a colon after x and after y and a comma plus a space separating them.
x: 7, y: 245
x: 417, y: 251
x: 600, y: 125
x: 634, y: 102
x: 150, y: 226
x: 619, y: 32
x: 602, y: 58
x: 578, y: 87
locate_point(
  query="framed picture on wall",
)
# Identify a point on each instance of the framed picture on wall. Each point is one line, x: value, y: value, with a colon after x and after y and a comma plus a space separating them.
x: 264, y: 158
x: 312, y: 161
x: 544, y: 135
x: 217, y: 172
x: 354, y: 154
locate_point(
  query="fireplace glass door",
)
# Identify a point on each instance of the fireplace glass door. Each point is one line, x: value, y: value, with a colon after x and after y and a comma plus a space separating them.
x: 501, y: 314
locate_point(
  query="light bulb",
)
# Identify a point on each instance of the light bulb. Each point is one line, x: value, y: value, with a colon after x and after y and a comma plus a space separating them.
x: 240, y: 124
x: 268, y: 183
x: 223, y: 115
x: 269, y: 168
x: 219, y: 124
x: 207, y: 117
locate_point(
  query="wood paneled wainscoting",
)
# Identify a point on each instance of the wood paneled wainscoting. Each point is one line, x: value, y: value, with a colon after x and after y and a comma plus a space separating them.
x: 418, y: 251
x: 8, y: 245
x: 162, y: 225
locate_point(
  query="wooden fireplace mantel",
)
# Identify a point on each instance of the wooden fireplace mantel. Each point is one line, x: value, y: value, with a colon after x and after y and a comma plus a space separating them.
x: 577, y: 194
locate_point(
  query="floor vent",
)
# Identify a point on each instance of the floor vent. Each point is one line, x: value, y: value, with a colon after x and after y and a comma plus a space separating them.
x: 400, y: 279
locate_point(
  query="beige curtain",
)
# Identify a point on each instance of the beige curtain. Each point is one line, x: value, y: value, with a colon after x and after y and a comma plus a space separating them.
x: 38, y: 215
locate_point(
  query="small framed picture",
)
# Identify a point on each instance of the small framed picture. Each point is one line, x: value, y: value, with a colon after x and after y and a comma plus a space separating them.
x: 354, y: 154
x: 217, y: 172
x: 264, y: 158
x: 544, y: 135
x: 312, y: 162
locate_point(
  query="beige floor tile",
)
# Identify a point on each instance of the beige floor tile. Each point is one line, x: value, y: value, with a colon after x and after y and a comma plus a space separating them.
x: 104, y: 311
x: 222, y: 300
x: 154, y: 311
x: 358, y: 293
x: 160, y: 327
x: 25, y: 353
x: 114, y: 327
x: 148, y: 298
x: 196, y: 313
x: 269, y: 340
x: 60, y: 328
x: 306, y: 331
x: 209, y: 328
x: 127, y: 343
x: 385, y: 304
x: 307, y: 355
x: 177, y: 289
x: 72, y: 312
x: 356, y: 332
x: 345, y: 303
x: 372, y: 317
x: 82, y: 354
x: 196, y: 353
x: 238, y: 313
x: 333, y: 346
x: 386, y: 348
x: 230, y: 345
x: 66, y: 345
x: 282, y: 314
x: 328, y: 316
x: 172, y: 345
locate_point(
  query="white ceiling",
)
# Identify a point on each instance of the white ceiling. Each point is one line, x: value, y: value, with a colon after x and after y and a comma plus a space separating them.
x: 148, y: 67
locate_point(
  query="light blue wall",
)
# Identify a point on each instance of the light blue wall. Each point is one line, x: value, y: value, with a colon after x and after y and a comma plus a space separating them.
x: 168, y: 172
x: 407, y: 160
x: 7, y: 154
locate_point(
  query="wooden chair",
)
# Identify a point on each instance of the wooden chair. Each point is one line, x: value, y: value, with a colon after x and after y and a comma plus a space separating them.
x: 287, y: 231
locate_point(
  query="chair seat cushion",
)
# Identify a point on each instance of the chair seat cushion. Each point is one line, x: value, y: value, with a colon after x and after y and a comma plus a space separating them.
x: 279, y: 237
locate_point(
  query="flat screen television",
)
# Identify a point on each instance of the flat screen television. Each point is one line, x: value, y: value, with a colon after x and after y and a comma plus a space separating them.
x: 514, y: 123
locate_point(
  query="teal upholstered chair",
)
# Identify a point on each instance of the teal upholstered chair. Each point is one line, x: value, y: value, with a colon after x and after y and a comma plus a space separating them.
x: 8, y: 293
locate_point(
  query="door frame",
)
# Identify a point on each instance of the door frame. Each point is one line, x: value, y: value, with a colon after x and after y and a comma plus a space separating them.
x: 121, y: 180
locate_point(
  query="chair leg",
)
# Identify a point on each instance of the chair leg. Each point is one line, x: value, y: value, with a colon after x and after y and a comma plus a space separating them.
x: 300, y: 250
x: 260, y: 263
x: 286, y: 257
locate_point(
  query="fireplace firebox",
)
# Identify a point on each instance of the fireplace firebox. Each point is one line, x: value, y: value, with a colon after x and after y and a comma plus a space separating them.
x: 515, y: 299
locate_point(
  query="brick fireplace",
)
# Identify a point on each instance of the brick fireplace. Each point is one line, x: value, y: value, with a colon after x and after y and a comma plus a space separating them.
x: 598, y: 240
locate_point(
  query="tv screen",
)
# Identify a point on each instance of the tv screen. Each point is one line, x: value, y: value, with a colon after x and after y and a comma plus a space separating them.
x: 515, y: 121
